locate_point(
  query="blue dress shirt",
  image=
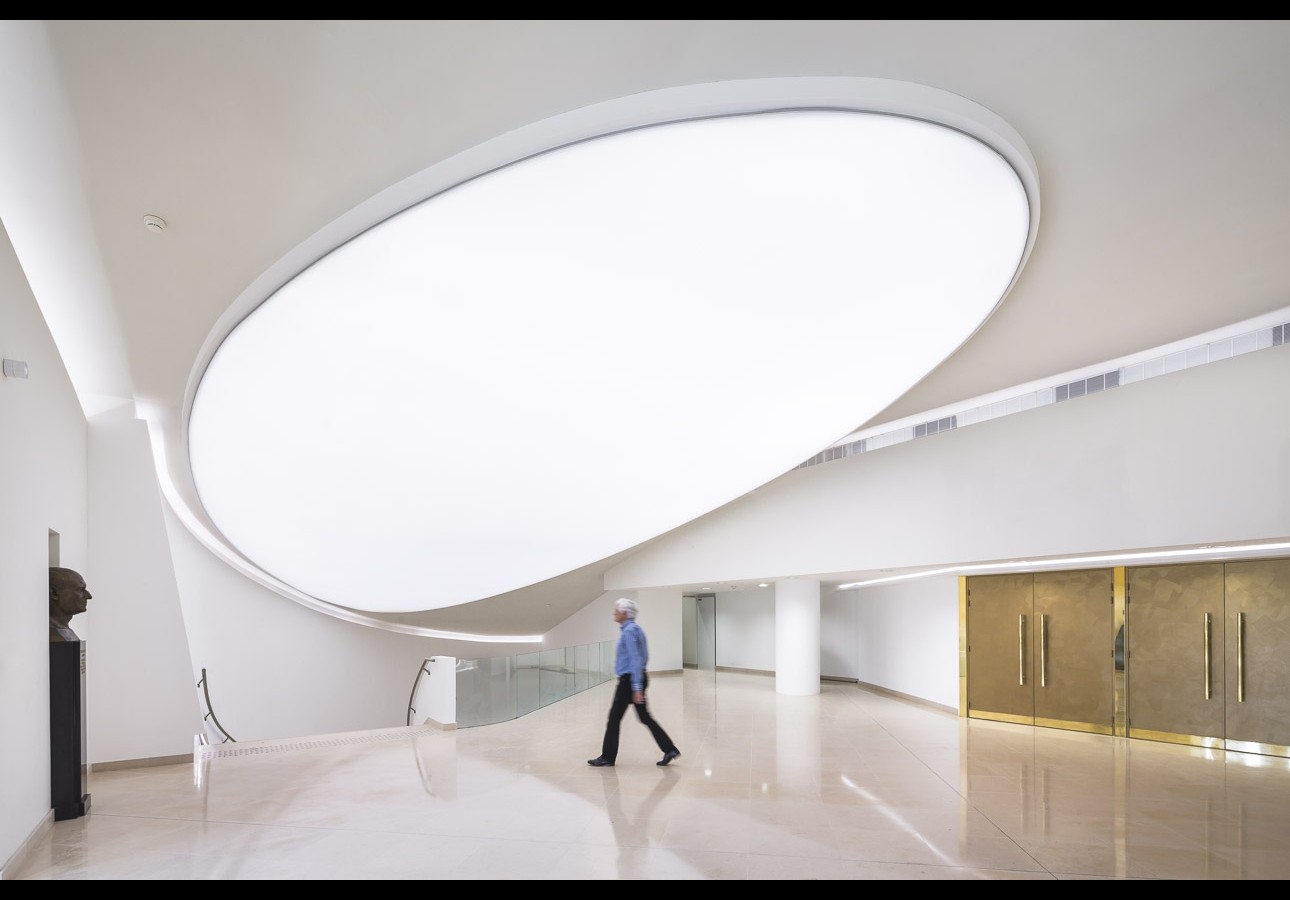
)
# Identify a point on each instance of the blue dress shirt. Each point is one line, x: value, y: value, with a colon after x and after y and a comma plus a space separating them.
x: 632, y: 653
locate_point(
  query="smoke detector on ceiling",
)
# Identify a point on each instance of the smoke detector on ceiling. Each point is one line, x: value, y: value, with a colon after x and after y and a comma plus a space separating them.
x: 155, y: 224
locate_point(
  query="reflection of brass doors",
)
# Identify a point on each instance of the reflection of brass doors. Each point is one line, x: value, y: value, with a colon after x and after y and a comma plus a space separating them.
x: 1258, y: 656
x: 1175, y: 653
x: 1040, y: 649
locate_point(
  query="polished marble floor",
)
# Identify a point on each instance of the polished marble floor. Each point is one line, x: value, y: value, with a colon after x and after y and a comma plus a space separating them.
x: 846, y: 784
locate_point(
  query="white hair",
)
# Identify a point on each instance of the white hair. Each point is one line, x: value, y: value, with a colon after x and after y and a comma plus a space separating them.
x: 627, y: 605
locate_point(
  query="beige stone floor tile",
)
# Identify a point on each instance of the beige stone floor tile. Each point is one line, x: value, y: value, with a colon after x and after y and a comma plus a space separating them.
x: 850, y: 784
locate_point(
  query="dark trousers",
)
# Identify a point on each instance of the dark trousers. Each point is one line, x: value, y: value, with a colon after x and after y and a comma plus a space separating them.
x: 622, y: 700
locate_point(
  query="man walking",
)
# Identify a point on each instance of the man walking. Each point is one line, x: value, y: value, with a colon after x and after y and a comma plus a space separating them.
x: 630, y: 658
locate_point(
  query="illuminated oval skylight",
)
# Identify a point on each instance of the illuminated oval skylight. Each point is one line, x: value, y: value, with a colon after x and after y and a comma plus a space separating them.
x: 557, y: 359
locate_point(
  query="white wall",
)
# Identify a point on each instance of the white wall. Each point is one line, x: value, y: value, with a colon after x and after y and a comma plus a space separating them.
x: 43, y: 486
x: 659, y: 613
x: 746, y: 629
x: 839, y: 634
x: 591, y: 624
x: 909, y: 638
x: 141, y: 698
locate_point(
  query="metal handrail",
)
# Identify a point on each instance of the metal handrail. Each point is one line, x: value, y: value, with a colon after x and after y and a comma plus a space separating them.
x: 210, y: 712
x: 422, y: 671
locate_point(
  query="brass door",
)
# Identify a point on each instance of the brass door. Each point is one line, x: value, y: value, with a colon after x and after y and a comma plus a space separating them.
x: 1040, y: 649
x: 1074, y: 640
x: 999, y: 641
x: 1258, y: 656
x: 1174, y: 647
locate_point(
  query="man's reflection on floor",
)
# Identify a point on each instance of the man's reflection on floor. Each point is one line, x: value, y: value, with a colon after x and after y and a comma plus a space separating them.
x: 632, y: 830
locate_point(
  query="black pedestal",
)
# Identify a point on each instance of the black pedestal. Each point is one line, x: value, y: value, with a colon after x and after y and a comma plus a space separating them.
x: 69, y: 772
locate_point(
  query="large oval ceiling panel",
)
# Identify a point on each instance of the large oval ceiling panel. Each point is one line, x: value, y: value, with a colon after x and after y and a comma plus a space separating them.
x: 561, y: 357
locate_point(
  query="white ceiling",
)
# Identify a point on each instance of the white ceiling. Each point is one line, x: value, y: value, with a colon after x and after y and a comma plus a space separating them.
x: 1161, y: 150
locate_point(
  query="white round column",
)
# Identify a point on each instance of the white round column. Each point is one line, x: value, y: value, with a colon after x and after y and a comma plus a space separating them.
x: 797, y: 637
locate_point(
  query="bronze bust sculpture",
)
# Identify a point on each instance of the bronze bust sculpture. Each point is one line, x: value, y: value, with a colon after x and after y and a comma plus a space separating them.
x: 67, y: 597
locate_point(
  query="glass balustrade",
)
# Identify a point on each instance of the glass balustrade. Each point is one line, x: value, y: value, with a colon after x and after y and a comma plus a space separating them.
x: 501, y: 688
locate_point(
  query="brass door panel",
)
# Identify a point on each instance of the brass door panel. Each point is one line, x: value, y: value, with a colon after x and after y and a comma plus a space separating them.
x: 1258, y: 656
x: 999, y: 637
x: 1074, y: 639
x: 1174, y: 646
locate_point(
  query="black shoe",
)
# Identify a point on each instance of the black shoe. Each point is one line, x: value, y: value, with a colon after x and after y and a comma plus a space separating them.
x: 601, y: 761
x: 668, y: 757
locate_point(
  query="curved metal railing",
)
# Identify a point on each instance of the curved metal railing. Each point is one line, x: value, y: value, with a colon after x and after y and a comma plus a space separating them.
x: 210, y: 712
x: 413, y: 696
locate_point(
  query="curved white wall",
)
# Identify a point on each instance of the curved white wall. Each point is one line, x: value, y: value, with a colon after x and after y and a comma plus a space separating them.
x: 277, y: 669
x: 1199, y: 456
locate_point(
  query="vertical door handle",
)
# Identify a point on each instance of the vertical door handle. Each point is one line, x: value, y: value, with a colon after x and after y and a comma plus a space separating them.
x: 1021, y: 649
x: 1240, y: 657
x: 1208, y: 691
x: 1043, y: 650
